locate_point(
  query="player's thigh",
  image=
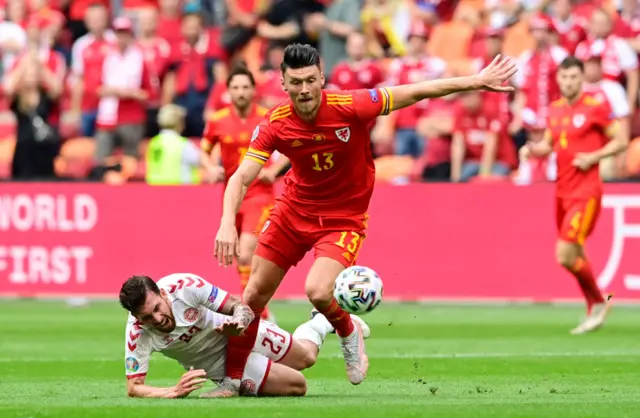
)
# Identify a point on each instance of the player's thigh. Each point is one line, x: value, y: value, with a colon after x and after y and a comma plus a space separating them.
x: 281, y: 242
x: 263, y: 377
x: 272, y: 342
x: 579, y: 219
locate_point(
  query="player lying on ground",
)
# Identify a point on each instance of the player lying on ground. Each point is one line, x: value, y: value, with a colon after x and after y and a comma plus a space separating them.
x: 582, y: 131
x: 226, y: 139
x: 187, y: 319
x: 325, y: 135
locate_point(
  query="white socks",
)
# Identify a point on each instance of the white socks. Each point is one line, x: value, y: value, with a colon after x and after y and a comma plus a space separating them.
x: 315, y: 330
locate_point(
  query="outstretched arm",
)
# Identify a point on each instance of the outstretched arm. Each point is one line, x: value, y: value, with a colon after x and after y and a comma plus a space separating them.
x: 189, y: 382
x: 491, y: 78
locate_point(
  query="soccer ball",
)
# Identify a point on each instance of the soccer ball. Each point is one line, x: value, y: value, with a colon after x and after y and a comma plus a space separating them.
x: 358, y: 290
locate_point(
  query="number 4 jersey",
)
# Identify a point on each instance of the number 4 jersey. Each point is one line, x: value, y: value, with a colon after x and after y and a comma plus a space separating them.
x: 194, y: 342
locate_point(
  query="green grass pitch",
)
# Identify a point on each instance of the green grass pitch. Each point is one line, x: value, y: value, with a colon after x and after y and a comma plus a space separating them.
x: 426, y: 361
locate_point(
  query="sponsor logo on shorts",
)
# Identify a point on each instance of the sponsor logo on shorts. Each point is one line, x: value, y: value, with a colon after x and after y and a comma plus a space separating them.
x: 191, y: 315
x: 213, y: 295
x: 248, y: 386
x: 374, y: 95
x: 131, y: 364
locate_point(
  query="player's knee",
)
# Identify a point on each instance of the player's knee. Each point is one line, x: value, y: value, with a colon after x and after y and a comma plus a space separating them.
x: 245, y: 258
x: 318, y: 296
x: 565, y: 256
x: 253, y: 298
x: 307, y: 360
x: 297, y: 386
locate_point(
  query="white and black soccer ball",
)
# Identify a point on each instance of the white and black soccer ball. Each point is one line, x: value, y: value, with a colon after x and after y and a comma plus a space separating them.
x: 358, y: 290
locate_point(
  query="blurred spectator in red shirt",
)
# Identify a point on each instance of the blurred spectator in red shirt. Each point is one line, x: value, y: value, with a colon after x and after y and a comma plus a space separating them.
x: 157, y: 52
x: 480, y: 145
x: 13, y: 38
x: 569, y: 31
x: 88, y: 54
x: 124, y: 90
x: 357, y: 72
x: 77, y: 16
x: 494, y: 41
x: 536, y: 79
x: 436, y: 123
x: 194, y: 65
x: 619, y: 60
x: 414, y: 67
x: 627, y: 25
x: 170, y: 21
x: 270, y: 90
x: 433, y: 11
x: 342, y: 19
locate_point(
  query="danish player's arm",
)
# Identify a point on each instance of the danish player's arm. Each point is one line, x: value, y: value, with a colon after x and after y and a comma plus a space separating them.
x: 491, y: 78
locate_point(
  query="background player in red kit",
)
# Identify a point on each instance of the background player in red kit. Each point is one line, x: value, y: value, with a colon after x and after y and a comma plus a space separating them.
x: 582, y: 131
x: 231, y: 128
x: 327, y: 192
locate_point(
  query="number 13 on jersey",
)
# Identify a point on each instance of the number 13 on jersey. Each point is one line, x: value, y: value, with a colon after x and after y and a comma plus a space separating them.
x: 322, y: 162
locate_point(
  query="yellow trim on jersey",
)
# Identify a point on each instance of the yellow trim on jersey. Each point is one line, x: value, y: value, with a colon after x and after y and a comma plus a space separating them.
x: 280, y: 113
x: 387, y: 101
x: 252, y: 158
x: 338, y: 96
x: 339, y: 99
x: 612, y: 130
x: 219, y: 114
x: 559, y: 102
x: 206, y: 145
x: 261, y: 111
x: 258, y: 152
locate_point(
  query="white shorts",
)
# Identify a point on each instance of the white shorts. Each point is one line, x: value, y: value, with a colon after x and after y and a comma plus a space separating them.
x: 272, y: 344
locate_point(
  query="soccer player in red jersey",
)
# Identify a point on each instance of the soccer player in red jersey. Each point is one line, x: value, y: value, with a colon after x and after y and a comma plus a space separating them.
x: 582, y: 131
x: 231, y: 128
x: 324, y: 206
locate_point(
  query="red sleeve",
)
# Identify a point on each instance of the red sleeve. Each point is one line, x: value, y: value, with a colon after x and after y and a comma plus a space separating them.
x: 209, y: 133
x: 263, y: 143
x: 603, y: 116
x: 369, y: 104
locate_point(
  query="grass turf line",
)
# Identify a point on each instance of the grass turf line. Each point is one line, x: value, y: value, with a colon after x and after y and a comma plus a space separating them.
x: 435, y: 361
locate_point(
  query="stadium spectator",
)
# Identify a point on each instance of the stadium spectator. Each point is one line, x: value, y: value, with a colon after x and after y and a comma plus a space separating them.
x: 242, y: 20
x: 33, y: 89
x: 357, y: 72
x: 386, y: 25
x: 157, y: 52
x: 270, y: 91
x: 613, y: 93
x: 569, y: 31
x: 13, y: 38
x: 436, y: 123
x: 78, y: 25
x: 342, y: 19
x: 414, y: 67
x: 536, y: 79
x: 125, y: 87
x: 627, y: 25
x: 480, y: 145
x: 170, y: 21
x: 431, y: 12
x: 87, y: 56
x: 194, y: 66
x: 619, y: 60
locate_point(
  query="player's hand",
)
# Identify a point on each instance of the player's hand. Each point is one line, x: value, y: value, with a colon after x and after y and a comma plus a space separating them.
x: 267, y: 176
x: 189, y: 382
x: 227, y: 244
x: 215, y: 174
x: 495, y: 74
x: 231, y: 327
x: 584, y: 161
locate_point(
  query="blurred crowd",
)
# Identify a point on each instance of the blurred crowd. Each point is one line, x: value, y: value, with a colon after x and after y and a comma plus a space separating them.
x: 83, y: 80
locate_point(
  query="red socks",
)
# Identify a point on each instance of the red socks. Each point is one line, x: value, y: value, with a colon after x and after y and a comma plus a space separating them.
x: 239, y: 348
x: 581, y: 270
x: 339, y: 319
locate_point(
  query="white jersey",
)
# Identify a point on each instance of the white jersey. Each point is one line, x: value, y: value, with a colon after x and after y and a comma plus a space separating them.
x: 193, y: 342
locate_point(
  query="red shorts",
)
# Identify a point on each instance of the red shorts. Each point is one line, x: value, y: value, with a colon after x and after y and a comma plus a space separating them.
x: 288, y: 235
x: 576, y: 218
x: 253, y: 213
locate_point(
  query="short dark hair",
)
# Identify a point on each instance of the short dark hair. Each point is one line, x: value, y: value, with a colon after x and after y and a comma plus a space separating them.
x: 240, y: 69
x: 133, y: 292
x: 571, y: 62
x: 300, y: 56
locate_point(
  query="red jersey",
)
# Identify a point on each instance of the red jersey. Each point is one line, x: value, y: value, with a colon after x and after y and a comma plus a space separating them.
x: 332, y: 171
x: 578, y: 128
x: 353, y: 76
x: 227, y: 128
x: 88, y: 57
x: 617, y: 55
x: 476, y: 128
x: 270, y: 90
x: 570, y: 33
x: 156, y: 58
